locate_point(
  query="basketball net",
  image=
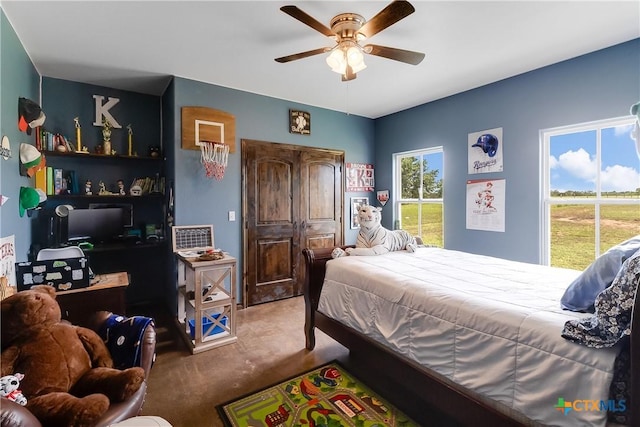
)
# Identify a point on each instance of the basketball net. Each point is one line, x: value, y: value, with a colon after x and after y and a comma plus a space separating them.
x: 214, y: 157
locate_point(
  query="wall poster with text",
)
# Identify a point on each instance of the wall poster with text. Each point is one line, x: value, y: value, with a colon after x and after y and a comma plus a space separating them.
x: 485, y: 151
x: 486, y: 204
x: 360, y: 177
x: 8, y: 259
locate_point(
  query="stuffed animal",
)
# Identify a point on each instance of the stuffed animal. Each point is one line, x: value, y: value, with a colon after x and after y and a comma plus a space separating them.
x: 374, y: 239
x: 69, y: 379
x: 9, y: 388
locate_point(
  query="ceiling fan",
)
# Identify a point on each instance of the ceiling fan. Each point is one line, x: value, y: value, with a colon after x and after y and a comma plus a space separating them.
x: 348, y: 30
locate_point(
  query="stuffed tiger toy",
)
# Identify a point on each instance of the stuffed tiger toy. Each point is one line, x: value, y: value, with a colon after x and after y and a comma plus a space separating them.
x: 374, y: 239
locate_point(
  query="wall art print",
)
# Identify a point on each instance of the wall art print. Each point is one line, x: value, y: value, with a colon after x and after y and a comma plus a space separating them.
x: 486, y: 204
x: 485, y: 151
x: 360, y: 177
x: 356, y: 202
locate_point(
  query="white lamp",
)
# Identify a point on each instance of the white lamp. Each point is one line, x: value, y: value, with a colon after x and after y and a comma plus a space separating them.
x: 337, y: 61
x: 346, y: 53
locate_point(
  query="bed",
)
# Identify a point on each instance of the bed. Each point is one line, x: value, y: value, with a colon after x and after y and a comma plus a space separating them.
x: 531, y: 366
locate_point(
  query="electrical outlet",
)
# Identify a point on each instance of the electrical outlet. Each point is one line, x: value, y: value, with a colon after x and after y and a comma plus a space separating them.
x: 232, y: 215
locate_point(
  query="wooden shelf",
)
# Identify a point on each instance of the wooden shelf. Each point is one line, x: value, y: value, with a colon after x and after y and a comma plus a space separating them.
x: 118, y: 157
x: 105, y: 196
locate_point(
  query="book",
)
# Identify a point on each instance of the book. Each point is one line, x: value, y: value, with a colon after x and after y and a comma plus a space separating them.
x: 59, y: 184
x: 49, y: 181
x: 41, y: 179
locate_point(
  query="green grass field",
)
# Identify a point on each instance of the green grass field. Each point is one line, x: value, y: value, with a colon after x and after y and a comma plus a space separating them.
x: 573, y: 232
x: 572, y: 229
x: 431, y: 231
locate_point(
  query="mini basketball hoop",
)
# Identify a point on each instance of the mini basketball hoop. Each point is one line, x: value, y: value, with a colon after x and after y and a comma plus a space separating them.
x: 214, y: 157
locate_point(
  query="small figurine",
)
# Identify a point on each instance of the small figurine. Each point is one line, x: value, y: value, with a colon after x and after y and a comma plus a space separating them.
x: 130, y: 132
x: 121, y: 190
x: 103, y: 190
x: 9, y: 388
x: 106, y: 136
x: 87, y: 188
x: 76, y: 121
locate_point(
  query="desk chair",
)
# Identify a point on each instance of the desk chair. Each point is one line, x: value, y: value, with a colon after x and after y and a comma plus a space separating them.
x: 61, y: 253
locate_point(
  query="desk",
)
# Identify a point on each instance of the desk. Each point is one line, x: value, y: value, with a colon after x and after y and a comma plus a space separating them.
x: 105, y: 292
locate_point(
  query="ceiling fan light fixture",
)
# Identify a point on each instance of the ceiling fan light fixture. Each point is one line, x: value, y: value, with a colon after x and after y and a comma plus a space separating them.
x: 337, y: 61
x: 348, y: 30
x: 346, y: 54
x: 355, y: 59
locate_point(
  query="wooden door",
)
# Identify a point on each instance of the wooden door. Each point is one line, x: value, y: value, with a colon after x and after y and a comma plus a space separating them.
x: 320, y: 203
x: 292, y: 199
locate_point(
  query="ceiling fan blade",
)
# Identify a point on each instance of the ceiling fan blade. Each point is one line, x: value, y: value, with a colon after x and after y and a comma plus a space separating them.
x: 388, y: 16
x: 348, y: 74
x: 303, y: 17
x: 301, y: 55
x: 407, y: 56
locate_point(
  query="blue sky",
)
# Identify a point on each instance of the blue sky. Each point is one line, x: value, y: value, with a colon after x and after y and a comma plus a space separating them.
x: 573, y: 161
x: 435, y: 161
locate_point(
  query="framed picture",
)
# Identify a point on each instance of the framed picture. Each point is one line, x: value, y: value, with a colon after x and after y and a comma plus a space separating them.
x: 383, y: 197
x: 299, y: 122
x: 356, y: 202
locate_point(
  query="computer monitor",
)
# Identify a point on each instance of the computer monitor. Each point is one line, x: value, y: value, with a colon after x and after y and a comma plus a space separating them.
x: 95, y: 225
x: 127, y: 211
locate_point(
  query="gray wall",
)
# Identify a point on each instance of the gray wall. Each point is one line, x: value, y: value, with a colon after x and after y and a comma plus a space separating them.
x: 18, y: 78
x: 596, y: 86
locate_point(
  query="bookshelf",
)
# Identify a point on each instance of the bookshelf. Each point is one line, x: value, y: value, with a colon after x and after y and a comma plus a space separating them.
x: 137, y: 254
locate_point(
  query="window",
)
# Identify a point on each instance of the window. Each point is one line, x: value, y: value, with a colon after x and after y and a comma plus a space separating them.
x: 418, y: 194
x: 591, y: 190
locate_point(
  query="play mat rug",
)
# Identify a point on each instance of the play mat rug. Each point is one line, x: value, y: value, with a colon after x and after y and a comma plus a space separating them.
x: 327, y: 396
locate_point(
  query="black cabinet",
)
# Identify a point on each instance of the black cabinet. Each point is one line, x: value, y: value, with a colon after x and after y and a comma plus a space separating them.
x: 141, y: 248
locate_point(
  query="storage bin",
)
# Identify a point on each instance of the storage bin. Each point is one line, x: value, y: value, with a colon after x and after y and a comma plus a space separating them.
x: 206, y: 324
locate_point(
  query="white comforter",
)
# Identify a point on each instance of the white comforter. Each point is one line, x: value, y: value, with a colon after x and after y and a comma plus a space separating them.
x: 488, y: 324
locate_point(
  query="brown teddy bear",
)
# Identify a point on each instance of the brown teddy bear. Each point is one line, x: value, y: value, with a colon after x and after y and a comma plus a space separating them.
x: 69, y: 379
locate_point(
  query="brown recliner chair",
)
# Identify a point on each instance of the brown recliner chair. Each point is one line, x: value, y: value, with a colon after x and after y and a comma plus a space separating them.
x: 15, y: 415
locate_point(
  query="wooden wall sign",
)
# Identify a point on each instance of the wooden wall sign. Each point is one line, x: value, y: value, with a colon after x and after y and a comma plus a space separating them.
x: 207, y: 124
x: 299, y: 122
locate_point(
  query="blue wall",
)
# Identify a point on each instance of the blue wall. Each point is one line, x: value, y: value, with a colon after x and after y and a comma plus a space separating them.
x: 62, y: 100
x: 18, y: 78
x: 201, y: 200
x: 600, y: 85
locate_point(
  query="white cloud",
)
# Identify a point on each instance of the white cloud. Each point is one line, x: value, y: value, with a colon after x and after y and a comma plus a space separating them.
x: 619, y: 178
x: 579, y: 164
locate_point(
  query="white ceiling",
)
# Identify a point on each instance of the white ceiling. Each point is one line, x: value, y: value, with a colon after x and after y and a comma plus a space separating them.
x: 135, y: 45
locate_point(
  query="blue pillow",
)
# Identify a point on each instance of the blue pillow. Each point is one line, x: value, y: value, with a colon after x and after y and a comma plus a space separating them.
x: 581, y: 293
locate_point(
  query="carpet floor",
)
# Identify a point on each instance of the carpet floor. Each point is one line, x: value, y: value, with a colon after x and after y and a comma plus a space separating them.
x: 185, y: 389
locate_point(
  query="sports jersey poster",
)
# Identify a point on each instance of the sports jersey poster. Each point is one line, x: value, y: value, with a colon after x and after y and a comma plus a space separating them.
x: 485, y: 151
x: 485, y: 204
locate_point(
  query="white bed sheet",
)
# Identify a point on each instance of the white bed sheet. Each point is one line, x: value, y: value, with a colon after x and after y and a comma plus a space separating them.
x: 489, y: 324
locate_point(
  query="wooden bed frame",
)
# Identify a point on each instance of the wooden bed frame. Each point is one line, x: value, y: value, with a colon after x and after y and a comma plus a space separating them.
x: 453, y: 402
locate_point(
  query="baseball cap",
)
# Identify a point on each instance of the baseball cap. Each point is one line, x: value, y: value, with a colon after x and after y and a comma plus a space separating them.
x: 30, y: 198
x: 30, y: 115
